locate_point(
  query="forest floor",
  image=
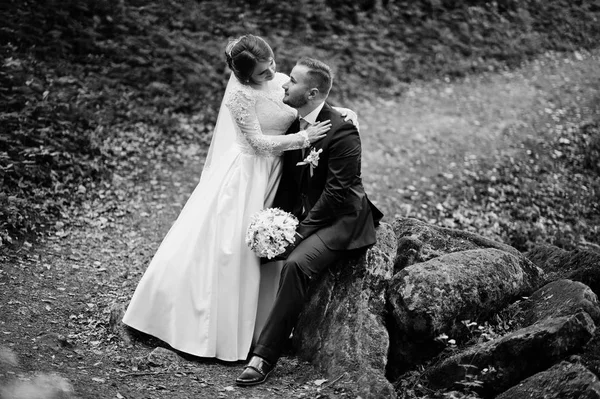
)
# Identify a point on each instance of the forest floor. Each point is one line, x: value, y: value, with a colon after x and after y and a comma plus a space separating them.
x: 56, y: 295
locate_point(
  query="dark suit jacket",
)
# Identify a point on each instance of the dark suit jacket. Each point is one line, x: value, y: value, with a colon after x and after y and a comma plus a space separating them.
x: 332, y: 202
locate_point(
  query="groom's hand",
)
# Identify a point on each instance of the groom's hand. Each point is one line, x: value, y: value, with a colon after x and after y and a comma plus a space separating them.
x: 288, y: 250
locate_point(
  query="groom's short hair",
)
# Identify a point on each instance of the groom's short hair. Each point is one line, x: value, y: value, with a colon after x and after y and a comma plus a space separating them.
x: 319, y: 73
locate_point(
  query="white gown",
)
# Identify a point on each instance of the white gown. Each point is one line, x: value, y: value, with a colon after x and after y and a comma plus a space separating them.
x: 200, y: 293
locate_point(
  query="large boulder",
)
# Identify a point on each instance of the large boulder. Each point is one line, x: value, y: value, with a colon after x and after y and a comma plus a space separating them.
x: 579, y: 265
x: 504, y: 362
x: 419, y: 242
x: 342, y: 328
x: 548, y: 257
x: 563, y: 381
x: 434, y: 297
x: 563, y: 298
x: 588, y: 271
x: 559, y: 298
x: 590, y: 355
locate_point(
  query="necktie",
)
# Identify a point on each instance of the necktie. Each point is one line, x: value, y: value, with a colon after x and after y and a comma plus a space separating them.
x: 303, y: 125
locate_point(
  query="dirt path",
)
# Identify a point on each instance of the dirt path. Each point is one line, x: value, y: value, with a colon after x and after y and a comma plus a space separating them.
x: 415, y: 147
x: 56, y: 295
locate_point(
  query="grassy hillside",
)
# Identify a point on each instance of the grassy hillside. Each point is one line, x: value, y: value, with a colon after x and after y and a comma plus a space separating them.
x: 93, y: 90
x: 513, y: 155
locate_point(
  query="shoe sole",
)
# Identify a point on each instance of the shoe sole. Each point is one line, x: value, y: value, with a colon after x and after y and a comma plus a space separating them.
x: 250, y: 384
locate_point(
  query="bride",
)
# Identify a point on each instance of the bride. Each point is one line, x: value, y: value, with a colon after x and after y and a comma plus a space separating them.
x: 205, y: 292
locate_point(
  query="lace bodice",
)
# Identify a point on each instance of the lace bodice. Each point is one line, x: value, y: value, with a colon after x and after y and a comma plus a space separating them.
x: 261, y: 118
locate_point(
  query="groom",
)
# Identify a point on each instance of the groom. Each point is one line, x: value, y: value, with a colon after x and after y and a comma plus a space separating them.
x: 323, y: 188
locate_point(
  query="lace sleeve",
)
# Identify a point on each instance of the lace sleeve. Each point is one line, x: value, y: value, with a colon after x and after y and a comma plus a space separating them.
x: 242, y: 105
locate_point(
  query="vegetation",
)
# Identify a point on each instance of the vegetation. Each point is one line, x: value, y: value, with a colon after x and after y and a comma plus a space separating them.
x: 547, y: 194
x: 94, y: 88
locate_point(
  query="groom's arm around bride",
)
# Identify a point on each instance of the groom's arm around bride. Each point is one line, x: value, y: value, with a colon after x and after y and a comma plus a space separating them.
x: 323, y: 188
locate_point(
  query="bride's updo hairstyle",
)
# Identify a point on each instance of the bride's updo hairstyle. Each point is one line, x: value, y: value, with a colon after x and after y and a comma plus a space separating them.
x: 244, y: 53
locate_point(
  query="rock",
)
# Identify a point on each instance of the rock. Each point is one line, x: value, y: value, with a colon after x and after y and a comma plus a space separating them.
x: 560, y: 298
x: 431, y: 298
x: 116, y: 313
x: 342, y: 328
x: 115, y: 323
x: 563, y: 381
x: 419, y: 242
x: 587, y: 273
x: 515, y: 356
x: 54, y: 341
x: 577, y: 265
x: 163, y: 357
x: 547, y: 257
x: 590, y: 355
x: 8, y: 359
x: 43, y: 386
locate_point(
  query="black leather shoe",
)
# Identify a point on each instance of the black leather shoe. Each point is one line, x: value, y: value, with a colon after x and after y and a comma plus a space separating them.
x: 256, y: 372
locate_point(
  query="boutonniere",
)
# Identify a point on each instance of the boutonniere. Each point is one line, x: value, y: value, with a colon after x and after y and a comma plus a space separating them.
x: 311, y: 159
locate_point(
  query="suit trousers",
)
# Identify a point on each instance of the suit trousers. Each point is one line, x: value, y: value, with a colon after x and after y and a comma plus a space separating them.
x: 304, y: 263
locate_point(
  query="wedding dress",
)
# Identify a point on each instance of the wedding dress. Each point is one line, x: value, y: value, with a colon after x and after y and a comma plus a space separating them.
x: 204, y: 292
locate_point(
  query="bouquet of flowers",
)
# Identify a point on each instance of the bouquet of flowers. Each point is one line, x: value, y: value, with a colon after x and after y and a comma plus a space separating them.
x: 270, y: 231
